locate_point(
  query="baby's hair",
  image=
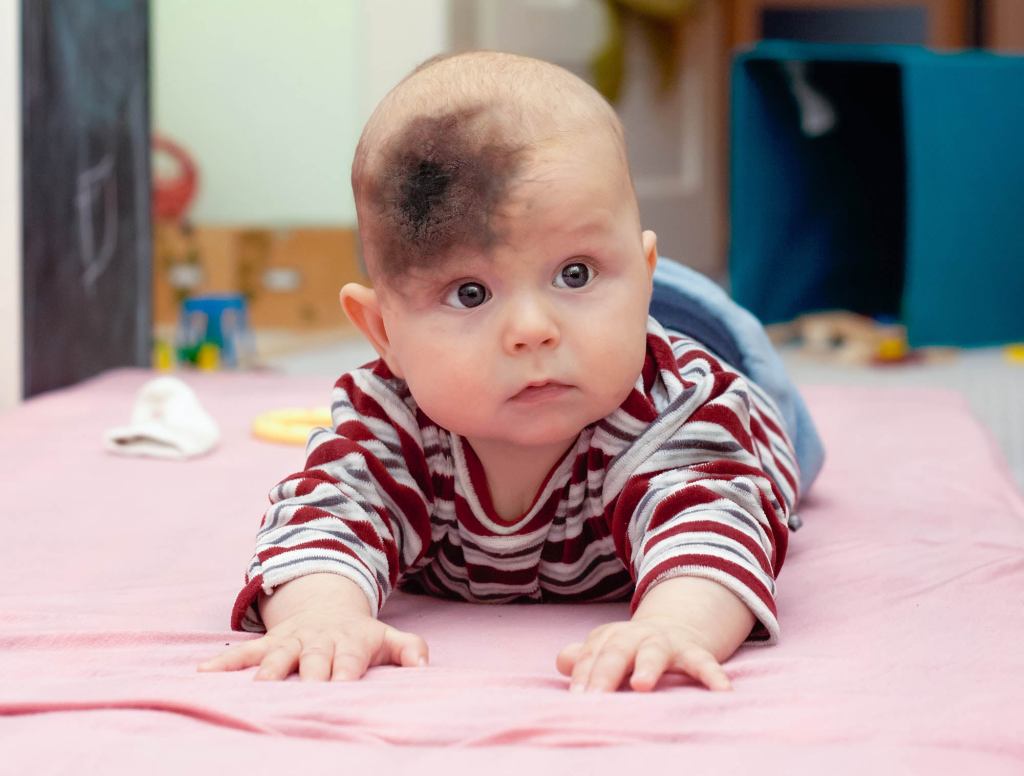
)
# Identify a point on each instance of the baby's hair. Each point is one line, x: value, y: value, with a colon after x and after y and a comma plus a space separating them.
x: 440, y: 155
x: 437, y: 185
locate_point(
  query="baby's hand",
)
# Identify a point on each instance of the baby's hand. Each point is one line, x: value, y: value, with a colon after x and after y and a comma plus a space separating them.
x: 647, y: 648
x: 323, y: 646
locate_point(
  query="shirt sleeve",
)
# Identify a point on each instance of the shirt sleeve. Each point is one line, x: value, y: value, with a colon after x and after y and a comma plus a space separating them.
x: 359, y: 509
x: 709, y: 485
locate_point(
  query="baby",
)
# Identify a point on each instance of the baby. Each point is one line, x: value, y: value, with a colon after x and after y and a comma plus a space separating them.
x: 529, y: 432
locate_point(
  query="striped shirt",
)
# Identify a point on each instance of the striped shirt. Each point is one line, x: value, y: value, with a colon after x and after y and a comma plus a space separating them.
x: 692, y: 475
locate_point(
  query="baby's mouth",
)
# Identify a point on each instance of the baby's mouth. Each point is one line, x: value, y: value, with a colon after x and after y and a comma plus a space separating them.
x: 542, y: 391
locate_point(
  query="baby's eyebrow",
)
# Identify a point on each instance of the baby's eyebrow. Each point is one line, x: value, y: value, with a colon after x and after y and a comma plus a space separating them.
x: 419, y: 281
x: 583, y: 232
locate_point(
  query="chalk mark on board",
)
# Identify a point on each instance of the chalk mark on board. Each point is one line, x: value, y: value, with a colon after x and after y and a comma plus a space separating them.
x: 96, y: 182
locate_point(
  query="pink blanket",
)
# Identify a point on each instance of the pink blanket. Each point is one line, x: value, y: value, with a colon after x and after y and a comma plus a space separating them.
x: 901, y: 603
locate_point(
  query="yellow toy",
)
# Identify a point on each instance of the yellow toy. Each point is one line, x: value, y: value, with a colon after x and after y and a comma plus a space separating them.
x: 846, y: 338
x: 892, y: 349
x: 208, y: 357
x: 291, y: 426
x: 1015, y: 353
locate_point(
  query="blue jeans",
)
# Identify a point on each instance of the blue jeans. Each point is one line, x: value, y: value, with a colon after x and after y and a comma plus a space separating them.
x: 688, y: 302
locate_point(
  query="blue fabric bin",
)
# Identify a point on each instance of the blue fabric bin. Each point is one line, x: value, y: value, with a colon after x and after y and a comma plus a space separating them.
x: 910, y: 204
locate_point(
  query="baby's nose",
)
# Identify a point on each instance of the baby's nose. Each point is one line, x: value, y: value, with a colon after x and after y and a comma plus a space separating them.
x: 530, y: 326
x: 529, y: 341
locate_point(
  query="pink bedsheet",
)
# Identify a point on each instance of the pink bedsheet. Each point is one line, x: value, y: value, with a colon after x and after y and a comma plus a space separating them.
x: 901, y: 603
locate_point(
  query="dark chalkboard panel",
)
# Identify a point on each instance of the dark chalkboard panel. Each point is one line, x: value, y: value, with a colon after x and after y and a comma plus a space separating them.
x: 85, y: 188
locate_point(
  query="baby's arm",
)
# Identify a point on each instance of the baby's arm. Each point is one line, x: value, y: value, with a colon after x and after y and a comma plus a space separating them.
x: 689, y: 625
x: 702, y: 521
x: 320, y: 624
x: 335, y: 541
x: 719, y: 620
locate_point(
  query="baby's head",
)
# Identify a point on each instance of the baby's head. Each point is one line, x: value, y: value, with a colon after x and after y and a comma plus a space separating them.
x: 500, y: 229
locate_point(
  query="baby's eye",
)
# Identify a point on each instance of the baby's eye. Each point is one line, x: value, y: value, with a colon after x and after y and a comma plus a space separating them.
x: 468, y: 295
x: 574, y: 275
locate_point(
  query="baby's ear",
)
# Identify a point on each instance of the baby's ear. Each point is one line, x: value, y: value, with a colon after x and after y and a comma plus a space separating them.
x: 362, y: 306
x: 649, y: 240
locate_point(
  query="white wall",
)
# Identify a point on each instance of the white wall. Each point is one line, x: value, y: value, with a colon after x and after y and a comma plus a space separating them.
x: 394, y: 36
x: 270, y: 96
x: 10, y: 204
x: 262, y: 93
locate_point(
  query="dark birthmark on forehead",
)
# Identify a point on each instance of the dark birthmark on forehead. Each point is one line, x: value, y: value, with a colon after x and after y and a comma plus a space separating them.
x: 439, y: 187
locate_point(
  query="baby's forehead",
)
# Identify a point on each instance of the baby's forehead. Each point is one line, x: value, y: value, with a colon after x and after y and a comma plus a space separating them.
x: 438, y: 171
x: 434, y: 184
x: 526, y: 238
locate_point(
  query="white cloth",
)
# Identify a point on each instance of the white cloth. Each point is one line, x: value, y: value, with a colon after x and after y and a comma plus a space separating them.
x: 167, y: 422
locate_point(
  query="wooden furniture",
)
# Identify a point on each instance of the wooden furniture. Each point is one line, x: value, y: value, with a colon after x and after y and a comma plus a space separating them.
x: 1002, y: 23
x: 289, y: 277
x: 946, y: 20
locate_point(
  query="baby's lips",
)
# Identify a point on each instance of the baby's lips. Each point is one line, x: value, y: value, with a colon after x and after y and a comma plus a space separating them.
x: 541, y: 387
x: 552, y: 389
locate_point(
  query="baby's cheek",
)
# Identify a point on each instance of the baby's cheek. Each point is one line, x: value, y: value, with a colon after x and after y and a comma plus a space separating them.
x: 449, y: 390
x: 620, y: 358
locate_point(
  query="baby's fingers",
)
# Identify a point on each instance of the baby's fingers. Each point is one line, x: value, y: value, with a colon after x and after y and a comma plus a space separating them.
x: 402, y: 649
x: 240, y: 656
x: 280, y: 660
x: 701, y: 665
x: 349, y: 664
x: 315, y: 659
x: 652, y: 659
x: 567, y: 658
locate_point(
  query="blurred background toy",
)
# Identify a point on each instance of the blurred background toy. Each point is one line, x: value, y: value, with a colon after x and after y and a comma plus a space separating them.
x: 213, y: 331
x: 291, y: 426
x: 1015, y: 353
x: 849, y: 338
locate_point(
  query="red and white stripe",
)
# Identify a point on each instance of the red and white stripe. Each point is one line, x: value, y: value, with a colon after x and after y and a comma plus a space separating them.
x: 692, y: 475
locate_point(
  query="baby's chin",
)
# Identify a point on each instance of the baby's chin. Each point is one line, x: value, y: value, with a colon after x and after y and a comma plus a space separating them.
x: 539, y: 432
x: 541, y: 438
